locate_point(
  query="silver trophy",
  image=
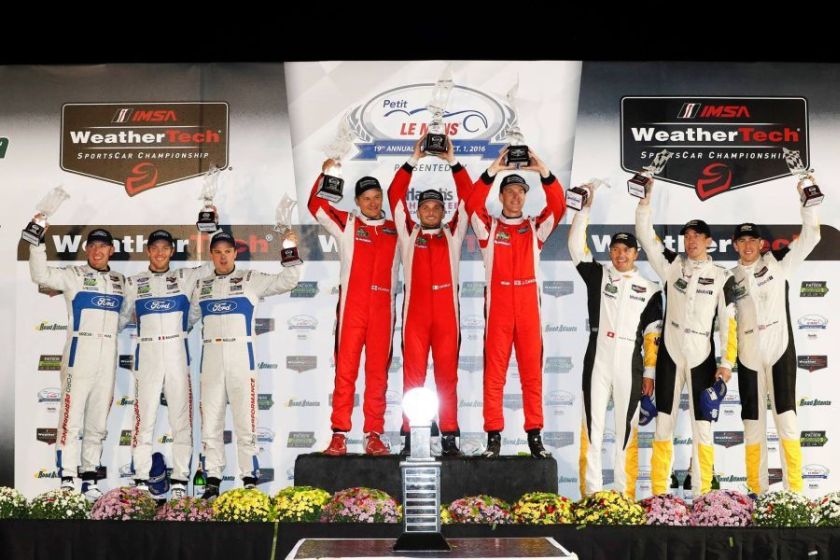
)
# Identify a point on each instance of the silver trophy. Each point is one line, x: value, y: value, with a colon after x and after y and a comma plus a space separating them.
x: 810, y: 195
x: 283, y: 220
x: 639, y: 184
x: 436, y: 141
x: 34, y: 230
x: 207, y: 219
x: 578, y: 197
x: 517, y: 153
x: 331, y: 185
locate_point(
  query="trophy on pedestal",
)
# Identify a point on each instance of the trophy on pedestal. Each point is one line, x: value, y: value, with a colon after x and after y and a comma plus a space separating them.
x: 436, y: 140
x: 578, y: 197
x: 283, y: 224
x: 640, y: 182
x: 517, y: 153
x: 331, y: 185
x: 207, y: 219
x: 33, y: 233
x: 810, y: 195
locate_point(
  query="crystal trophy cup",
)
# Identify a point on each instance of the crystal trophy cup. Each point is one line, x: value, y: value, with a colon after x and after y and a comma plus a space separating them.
x: 517, y: 150
x: 810, y: 194
x: 436, y: 140
x: 207, y: 219
x: 283, y: 219
x: 640, y: 182
x: 578, y: 197
x: 33, y: 233
x: 331, y: 184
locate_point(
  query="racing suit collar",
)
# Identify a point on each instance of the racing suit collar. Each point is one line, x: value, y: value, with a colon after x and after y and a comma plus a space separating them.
x: 430, y: 231
x: 511, y: 221
x: 159, y: 273
x: 96, y: 270
x: 369, y: 221
x: 224, y: 275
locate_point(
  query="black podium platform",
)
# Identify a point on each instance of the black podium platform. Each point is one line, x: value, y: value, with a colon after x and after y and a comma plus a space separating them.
x: 504, y: 477
x: 491, y: 548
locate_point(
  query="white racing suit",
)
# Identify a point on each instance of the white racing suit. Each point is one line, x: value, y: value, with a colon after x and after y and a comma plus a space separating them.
x: 226, y: 304
x: 697, y: 292
x: 161, y: 306
x: 625, y: 318
x: 767, y: 357
x: 94, y: 301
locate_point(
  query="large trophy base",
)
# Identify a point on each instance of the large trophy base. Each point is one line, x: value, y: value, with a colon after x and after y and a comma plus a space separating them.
x: 289, y: 257
x: 207, y: 221
x: 811, y: 196
x: 33, y: 233
x: 331, y: 188
x: 435, y: 143
x: 638, y: 185
x: 577, y: 197
x: 518, y: 156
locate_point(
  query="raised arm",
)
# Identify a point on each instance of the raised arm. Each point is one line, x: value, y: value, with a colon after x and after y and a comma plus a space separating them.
x: 331, y: 218
x: 657, y: 254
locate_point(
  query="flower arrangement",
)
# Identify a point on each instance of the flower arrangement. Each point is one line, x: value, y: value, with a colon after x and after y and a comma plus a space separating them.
x: 482, y: 509
x: 300, y: 503
x: 722, y: 508
x: 125, y: 504
x: 243, y: 505
x: 185, y: 509
x: 60, y: 503
x: 608, y: 507
x: 12, y: 503
x: 361, y: 505
x: 542, y: 508
x: 827, y: 511
x: 666, y: 509
x: 445, y: 516
x: 782, y: 509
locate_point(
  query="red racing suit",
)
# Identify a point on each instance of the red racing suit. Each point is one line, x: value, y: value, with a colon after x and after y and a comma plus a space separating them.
x: 511, y: 250
x: 430, y: 259
x: 367, y: 250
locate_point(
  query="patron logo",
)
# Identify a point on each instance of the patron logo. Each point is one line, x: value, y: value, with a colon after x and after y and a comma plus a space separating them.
x: 302, y: 324
x: 514, y: 402
x: 470, y: 404
x: 393, y: 398
x: 686, y: 441
x: 684, y: 401
x: 227, y: 437
x: 125, y: 438
x: 46, y: 435
x: 265, y: 401
x: 49, y: 395
x: 731, y: 479
x: 558, y: 439
x: 732, y: 398
x: 49, y: 362
x: 812, y: 363
x: 301, y: 363
x: 774, y: 476
x: 302, y: 403
x: 559, y: 328
x: 812, y: 323
x: 559, y: 398
x: 355, y: 399
x: 719, y: 143
x: 472, y: 322
x: 162, y: 400
x: 608, y: 475
x: 266, y: 365
x: 813, y: 288
x: 126, y: 471
x: 47, y: 326
x: 558, y: 364
x: 558, y: 288
x: 813, y: 439
x: 814, y: 471
x: 127, y: 361
x: 125, y: 401
x: 471, y: 363
x: 265, y: 435
x: 262, y: 326
x: 728, y: 439
x: 806, y: 401
x: 165, y: 438
x: 266, y: 475
x: 567, y: 479
x: 142, y: 146
x: 4, y: 145
x: 304, y: 290
x: 472, y: 289
x: 300, y: 440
